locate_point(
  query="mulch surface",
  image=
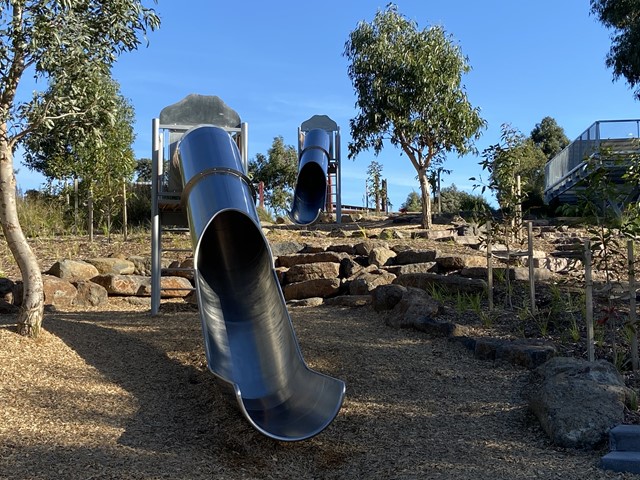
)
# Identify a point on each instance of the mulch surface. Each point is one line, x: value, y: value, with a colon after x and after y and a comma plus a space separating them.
x: 118, y: 394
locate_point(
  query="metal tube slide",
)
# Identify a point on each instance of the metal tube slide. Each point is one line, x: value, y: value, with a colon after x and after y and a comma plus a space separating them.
x: 249, y: 339
x: 311, y: 185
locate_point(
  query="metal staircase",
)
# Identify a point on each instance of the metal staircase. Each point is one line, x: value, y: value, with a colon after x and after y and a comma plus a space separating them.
x: 608, y: 145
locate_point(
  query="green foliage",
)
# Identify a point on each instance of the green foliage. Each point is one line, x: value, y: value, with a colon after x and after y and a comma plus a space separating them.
x: 42, y: 215
x: 549, y: 137
x: 408, y: 84
x: 143, y: 170
x: 264, y: 215
x: 374, y: 184
x: 278, y: 171
x: 623, y: 16
x: 457, y: 201
x: 413, y: 203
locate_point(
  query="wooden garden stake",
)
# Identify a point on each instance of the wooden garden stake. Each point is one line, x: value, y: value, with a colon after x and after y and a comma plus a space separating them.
x: 532, y: 285
x: 632, y: 305
x: 489, y: 267
x: 589, y: 300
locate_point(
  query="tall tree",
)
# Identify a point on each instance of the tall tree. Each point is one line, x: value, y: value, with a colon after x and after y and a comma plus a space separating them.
x: 56, y: 42
x: 374, y: 184
x: 408, y: 84
x: 278, y: 171
x: 623, y: 16
x: 549, y: 137
x: 102, y: 160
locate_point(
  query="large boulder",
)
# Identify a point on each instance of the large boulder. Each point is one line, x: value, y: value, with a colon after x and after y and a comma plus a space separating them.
x: 312, y: 271
x: 386, y: 297
x: 380, y: 256
x: 320, y: 287
x: 115, y: 265
x: 578, y: 402
x: 90, y: 294
x: 58, y: 292
x: 368, y: 280
x: 415, y: 256
x: 414, y: 306
x: 73, y: 270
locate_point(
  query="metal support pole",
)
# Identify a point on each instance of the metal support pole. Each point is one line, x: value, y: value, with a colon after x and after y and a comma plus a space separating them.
x: 156, y: 175
x: 338, y: 151
x: 244, y: 138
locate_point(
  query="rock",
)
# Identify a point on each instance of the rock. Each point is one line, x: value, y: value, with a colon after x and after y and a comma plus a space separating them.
x: 364, y: 248
x: 390, y: 234
x: 73, y: 270
x: 283, y: 221
x: 415, y: 256
x: 458, y: 262
x: 349, y: 268
x: 117, y: 266
x: 338, y: 233
x: 349, y: 301
x: 525, y: 353
x: 366, y: 281
x: 179, y: 268
x: 539, y: 274
x: 285, y: 248
x: 347, y: 218
x: 58, y: 292
x: 578, y: 402
x: 320, y: 287
x: 142, y: 265
x: 313, y: 249
x: 386, y: 297
x: 410, y: 310
x: 90, y: 294
x: 172, y: 287
x: 452, y: 283
x: 347, y: 248
x: 413, y: 268
x: 380, y: 256
x: 300, y: 258
x: 312, y: 271
x: 439, y: 327
x: 127, y: 285
x: 306, y: 302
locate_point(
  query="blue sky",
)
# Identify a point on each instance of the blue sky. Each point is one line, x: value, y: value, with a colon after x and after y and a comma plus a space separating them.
x: 278, y: 63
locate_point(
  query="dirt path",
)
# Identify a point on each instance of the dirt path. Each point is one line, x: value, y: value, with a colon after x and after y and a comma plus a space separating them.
x: 121, y: 395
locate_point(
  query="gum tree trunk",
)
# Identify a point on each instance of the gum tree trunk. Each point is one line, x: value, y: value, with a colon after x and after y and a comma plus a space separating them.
x: 32, y: 310
x: 426, y: 198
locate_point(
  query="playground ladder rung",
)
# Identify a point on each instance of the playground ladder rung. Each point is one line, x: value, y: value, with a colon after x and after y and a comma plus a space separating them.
x: 177, y: 269
x: 176, y: 250
x: 175, y: 229
x: 181, y: 288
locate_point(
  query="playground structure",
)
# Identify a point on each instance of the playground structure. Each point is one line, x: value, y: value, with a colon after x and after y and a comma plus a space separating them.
x: 319, y: 181
x: 567, y: 174
x: 249, y: 340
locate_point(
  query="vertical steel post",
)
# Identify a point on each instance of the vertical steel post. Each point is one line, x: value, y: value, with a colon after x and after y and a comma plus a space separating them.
x: 156, y: 175
x: 244, y: 139
x: 338, y: 178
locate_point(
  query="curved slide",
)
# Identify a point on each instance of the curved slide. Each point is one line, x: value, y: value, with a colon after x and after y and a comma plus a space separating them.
x: 249, y: 339
x: 311, y: 185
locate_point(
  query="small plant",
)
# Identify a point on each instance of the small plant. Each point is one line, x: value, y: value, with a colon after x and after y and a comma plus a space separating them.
x: 436, y: 292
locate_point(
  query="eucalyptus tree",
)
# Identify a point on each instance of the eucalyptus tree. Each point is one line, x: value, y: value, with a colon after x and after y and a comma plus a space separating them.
x: 408, y: 84
x: 57, y: 42
x: 102, y: 160
x: 278, y: 171
x: 623, y: 17
x: 549, y: 137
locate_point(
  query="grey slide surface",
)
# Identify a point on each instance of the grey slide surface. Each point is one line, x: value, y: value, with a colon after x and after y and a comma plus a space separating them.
x: 250, y: 343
